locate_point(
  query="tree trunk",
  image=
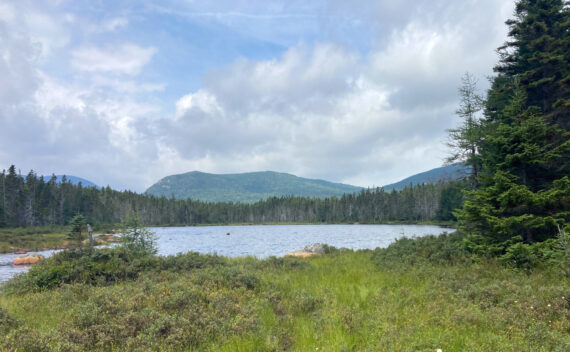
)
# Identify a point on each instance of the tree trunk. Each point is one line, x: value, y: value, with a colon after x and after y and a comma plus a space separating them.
x: 90, y: 233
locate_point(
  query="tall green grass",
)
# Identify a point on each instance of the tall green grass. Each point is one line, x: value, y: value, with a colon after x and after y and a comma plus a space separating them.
x: 409, y: 297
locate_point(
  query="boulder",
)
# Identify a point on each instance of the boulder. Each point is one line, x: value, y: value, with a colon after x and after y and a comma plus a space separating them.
x: 308, y: 251
x: 315, y: 248
x: 28, y: 259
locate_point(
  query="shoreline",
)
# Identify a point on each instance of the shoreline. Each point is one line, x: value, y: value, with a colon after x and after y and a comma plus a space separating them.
x: 60, y: 242
x: 100, y: 239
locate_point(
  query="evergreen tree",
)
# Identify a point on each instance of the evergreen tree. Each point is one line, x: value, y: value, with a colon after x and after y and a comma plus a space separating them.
x: 538, y: 54
x: 524, y: 194
x: 76, y: 227
x: 3, y: 199
x: 464, y: 140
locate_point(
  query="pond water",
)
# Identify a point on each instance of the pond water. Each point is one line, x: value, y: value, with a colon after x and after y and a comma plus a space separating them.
x: 261, y: 240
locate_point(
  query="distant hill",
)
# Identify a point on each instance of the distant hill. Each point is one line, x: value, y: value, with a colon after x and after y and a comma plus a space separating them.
x: 449, y: 172
x: 73, y: 179
x: 245, y: 188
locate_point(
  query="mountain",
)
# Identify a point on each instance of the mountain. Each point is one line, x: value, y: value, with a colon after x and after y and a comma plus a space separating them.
x: 246, y: 187
x: 73, y: 179
x: 449, y: 172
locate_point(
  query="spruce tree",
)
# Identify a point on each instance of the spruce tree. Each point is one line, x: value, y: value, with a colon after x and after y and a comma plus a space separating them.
x: 538, y: 54
x: 525, y: 192
x: 76, y: 227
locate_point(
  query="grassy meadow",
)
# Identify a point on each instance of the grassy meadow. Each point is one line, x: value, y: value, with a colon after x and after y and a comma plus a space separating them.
x: 32, y: 238
x: 414, y: 296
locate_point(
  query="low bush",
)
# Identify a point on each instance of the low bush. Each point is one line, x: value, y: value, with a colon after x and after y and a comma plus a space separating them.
x: 7, y: 322
x: 443, y: 249
x: 105, y: 266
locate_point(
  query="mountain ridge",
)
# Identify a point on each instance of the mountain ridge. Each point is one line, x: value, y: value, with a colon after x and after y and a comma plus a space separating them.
x: 448, y: 172
x: 73, y: 179
x: 245, y: 187
x: 250, y: 187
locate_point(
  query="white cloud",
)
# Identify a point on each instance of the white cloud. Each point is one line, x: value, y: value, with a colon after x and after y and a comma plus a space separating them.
x: 327, y: 111
x: 126, y: 59
x: 313, y: 112
x: 112, y: 24
x: 322, y: 109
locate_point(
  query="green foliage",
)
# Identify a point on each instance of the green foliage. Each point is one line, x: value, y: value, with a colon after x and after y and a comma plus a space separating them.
x: 359, y: 301
x: 537, y: 52
x: 450, y: 172
x: 525, y: 152
x: 136, y: 239
x: 245, y: 188
x: 520, y: 255
x: 507, y: 210
x: 451, y: 198
x: 464, y: 140
x: 7, y: 322
x: 53, y: 203
x: 106, y: 266
x: 76, y: 227
x: 148, y: 314
x: 444, y: 249
x: 33, y: 238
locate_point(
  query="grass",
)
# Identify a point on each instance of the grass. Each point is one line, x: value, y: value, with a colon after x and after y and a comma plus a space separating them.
x: 32, y: 238
x: 343, y: 301
x: 37, y: 238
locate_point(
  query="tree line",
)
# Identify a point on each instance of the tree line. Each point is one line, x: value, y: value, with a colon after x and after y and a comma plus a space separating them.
x: 31, y: 201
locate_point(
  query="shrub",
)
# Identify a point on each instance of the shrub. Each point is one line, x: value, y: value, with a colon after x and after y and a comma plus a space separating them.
x: 442, y: 249
x: 7, y: 323
x: 519, y: 255
x: 137, y: 239
x: 305, y: 302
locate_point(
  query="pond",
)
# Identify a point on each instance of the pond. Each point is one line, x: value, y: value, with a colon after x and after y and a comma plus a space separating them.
x: 262, y: 240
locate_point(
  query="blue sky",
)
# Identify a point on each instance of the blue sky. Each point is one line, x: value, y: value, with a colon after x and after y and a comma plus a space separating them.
x: 127, y: 92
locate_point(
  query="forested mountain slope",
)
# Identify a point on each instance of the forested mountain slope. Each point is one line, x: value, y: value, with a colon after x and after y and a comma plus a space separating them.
x: 73, y: 179
x: 444, y: 173
x: 31, y: 201
x: 245, y: 187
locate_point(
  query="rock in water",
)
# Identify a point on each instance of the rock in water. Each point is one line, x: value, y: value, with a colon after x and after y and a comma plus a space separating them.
x: 308, y: 251
x: 28, y: 259
x: 315, y: 248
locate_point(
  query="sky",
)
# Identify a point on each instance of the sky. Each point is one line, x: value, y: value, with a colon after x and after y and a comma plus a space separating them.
x: 123, y: 93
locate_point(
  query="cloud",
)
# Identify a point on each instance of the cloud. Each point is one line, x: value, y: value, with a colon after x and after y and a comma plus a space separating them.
x: 57, y: 126
x: 328, y: 111
x: 312, y: 112
x: 112, y: 24
x: 124, y: 59
x: 18, y: 55
x: 362, y: 94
